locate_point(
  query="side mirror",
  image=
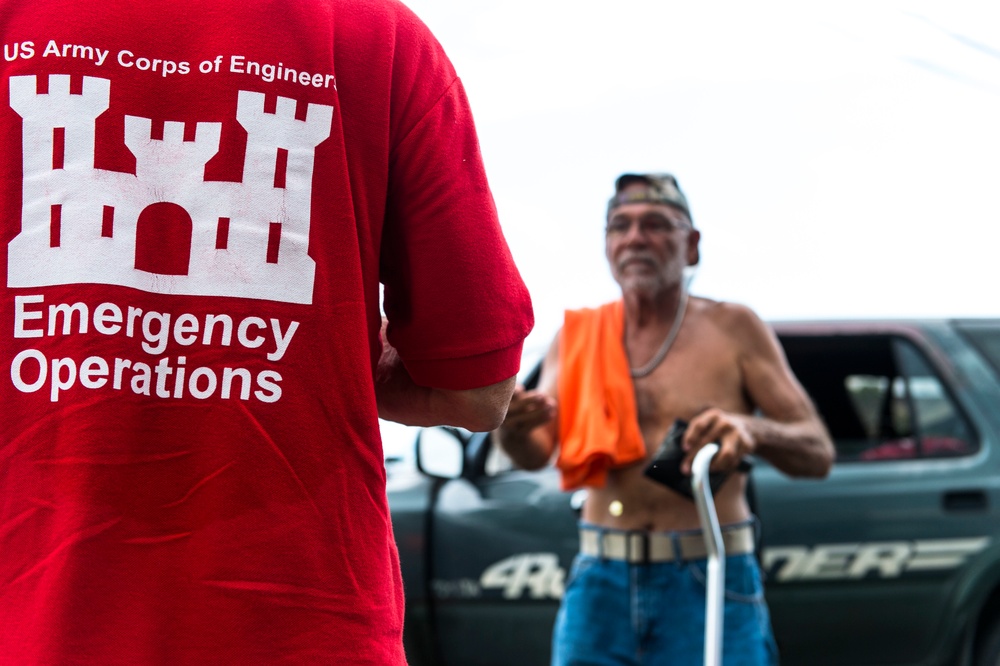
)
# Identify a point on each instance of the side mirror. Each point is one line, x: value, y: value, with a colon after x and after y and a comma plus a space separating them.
x: 441, y: 452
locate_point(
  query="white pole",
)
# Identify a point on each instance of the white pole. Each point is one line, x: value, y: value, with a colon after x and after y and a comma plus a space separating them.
x: 715, y: 594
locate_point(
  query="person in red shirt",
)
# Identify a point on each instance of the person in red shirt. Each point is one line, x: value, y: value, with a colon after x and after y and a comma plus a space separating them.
x: 199, y: 203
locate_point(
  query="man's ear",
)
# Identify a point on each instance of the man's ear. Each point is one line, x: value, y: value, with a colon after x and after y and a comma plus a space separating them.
x: 693, y: 255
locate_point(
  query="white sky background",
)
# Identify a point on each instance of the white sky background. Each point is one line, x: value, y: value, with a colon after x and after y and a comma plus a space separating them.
x: 841, y: 159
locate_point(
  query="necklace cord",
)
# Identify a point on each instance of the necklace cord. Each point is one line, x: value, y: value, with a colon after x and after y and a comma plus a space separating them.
x: 661, y: 353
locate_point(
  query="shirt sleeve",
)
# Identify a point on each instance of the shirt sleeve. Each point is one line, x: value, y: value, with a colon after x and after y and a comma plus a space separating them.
x: 458, y: 309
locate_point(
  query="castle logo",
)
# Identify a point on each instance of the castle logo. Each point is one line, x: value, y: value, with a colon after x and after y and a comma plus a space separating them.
x: 164, y: 229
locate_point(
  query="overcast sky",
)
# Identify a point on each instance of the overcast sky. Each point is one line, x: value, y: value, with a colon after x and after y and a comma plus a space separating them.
x: 842, y: 159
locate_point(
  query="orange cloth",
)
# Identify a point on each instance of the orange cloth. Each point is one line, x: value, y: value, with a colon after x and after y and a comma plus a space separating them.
x: 598, y: 420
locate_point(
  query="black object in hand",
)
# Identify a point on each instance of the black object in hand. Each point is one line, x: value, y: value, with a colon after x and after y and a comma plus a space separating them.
x: 666, y: 465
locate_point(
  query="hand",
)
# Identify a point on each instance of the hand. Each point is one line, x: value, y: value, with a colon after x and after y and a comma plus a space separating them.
x: 730, y: 431
x: 527, y: 411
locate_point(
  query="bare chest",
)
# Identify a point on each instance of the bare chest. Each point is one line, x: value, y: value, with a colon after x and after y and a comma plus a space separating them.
x: 692, y: 378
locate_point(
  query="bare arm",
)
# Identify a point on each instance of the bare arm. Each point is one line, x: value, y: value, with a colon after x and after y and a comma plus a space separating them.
x: 790, y: 435
x: 400, y: 399
x: 528, y: 433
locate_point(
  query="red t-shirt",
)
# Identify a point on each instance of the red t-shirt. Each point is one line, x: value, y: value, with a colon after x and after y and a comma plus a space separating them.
x: 199, y: 200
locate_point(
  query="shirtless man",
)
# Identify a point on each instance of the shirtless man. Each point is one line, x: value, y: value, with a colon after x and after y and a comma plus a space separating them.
x: 635, y: 594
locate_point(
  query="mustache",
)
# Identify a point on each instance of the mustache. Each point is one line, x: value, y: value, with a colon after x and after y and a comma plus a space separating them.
x: 640, y: 257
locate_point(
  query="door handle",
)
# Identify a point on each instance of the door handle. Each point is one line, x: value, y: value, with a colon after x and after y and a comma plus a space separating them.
x: 965, y: 500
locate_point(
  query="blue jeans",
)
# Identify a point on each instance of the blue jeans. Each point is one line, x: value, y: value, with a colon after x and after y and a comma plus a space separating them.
x: 619, y: 614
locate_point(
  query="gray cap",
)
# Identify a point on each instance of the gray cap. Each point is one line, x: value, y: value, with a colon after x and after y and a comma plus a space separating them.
x: 660, y: 188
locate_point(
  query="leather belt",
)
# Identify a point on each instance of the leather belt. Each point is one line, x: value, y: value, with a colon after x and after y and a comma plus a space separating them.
x: 640, y: 547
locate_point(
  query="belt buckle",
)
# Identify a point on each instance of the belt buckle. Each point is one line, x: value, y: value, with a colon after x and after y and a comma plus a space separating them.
x: 643, y: 551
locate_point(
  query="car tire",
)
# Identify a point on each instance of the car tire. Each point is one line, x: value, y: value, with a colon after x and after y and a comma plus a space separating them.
x: 988, y: 644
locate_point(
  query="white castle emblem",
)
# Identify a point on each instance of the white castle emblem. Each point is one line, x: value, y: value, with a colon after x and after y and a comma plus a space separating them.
x: 80, y: 224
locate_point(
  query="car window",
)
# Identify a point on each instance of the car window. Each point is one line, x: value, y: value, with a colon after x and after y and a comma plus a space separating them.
x: 497, y: 460
x: 880, y: 398
x: 985, y: 337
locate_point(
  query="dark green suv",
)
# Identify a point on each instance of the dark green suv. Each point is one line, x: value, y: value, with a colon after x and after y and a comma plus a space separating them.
x: 893, y: 559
